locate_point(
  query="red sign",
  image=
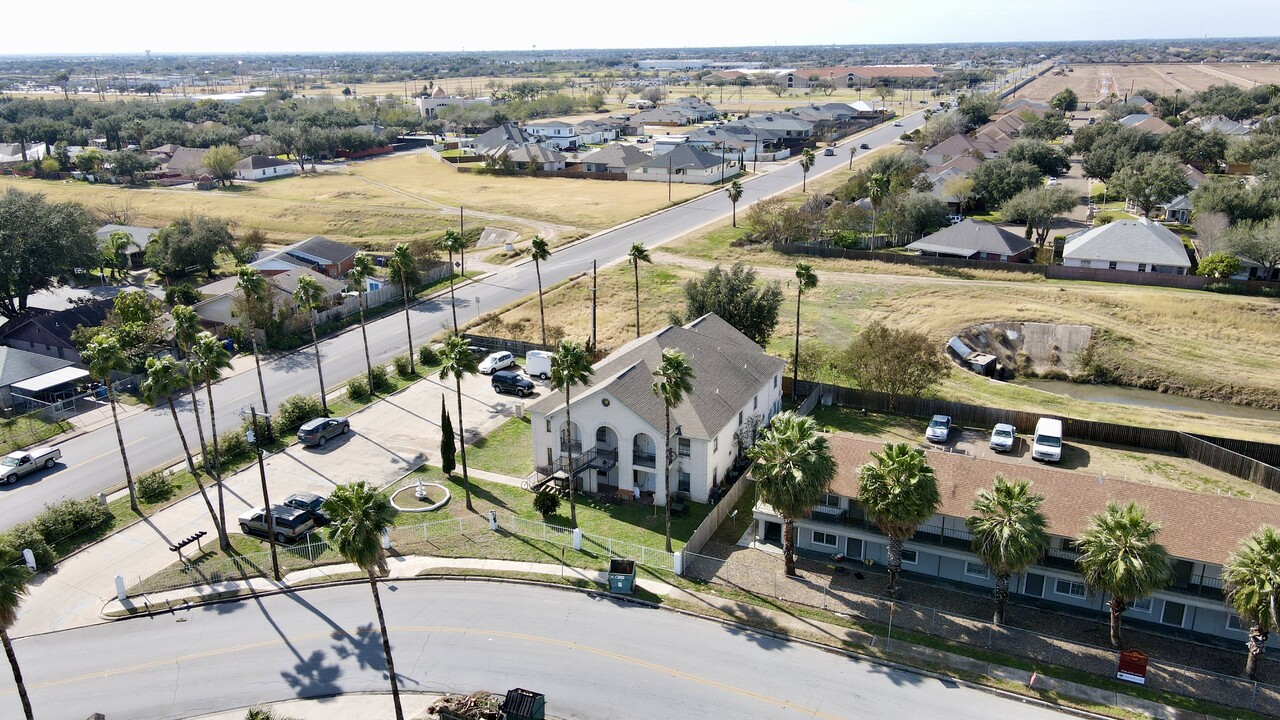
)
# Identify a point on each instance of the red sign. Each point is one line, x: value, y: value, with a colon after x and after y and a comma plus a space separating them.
x: 1133, y: 667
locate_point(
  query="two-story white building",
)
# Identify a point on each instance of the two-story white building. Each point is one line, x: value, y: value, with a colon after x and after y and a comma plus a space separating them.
x: 556, y: 133
x: 618, y: 420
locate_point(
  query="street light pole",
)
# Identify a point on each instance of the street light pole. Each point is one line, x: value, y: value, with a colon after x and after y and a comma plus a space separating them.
x: 266, y: 498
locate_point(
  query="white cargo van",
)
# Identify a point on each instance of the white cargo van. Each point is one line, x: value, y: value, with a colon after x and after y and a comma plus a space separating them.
x: 1047, y: 445
x: 537, y: 363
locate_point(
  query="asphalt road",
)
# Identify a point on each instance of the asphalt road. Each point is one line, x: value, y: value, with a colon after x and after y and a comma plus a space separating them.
x: 92, y: 460
x: 592, y: 656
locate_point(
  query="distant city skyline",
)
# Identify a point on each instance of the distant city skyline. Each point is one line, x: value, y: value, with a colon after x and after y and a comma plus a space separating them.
x: 290, y: 26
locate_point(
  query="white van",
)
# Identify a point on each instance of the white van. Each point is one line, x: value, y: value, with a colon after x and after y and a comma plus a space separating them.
x: 1047, y: 444
x: 537, y: 363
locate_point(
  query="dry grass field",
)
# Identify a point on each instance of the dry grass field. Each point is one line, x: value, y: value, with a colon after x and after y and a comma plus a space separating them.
x: 1094, y: 82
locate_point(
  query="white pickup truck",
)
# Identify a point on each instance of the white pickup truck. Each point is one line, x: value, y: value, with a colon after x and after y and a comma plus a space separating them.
x: 16, y: 464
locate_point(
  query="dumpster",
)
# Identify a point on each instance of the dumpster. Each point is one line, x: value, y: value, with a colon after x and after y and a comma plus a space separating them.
x: 524, y: 704
x: 622, y: 576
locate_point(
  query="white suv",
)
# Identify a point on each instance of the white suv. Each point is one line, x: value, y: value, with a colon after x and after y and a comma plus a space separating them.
x: 497, y: 361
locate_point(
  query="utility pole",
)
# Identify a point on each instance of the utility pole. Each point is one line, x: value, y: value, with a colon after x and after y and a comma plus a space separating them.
x: 462, y: 233
x: 593, y: 262
x: 98, y: 86
x: 256, y: 441
x: 593, y: 308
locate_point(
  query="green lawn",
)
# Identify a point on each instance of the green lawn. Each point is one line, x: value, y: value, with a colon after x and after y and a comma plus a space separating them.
x: 25, y: 430
x: 507, y: 450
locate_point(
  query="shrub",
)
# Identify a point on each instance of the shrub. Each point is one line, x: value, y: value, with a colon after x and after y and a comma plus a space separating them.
x: 233, y: 446
x: 1225, y: 288
x: 297, y: 409
x: 62, y: 520
x: 381, y: 383
x: 267, y: 429
x: 24, y: 536
x: 154, y: 487
x: 358, y: 388
x: 403, y: 365
x: 546, y: 502
x: 427, y: 355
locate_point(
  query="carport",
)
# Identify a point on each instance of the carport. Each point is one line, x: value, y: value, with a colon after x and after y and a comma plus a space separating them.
x: 51, y: 386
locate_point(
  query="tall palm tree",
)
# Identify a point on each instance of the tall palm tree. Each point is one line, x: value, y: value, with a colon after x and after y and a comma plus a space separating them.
x: 675, y: 379
x: 539, y: 251
x: 898, y: 491
x: 1120, y: 556
x: 636, y: 255
x: 359, y: 515
x: 877, y: 191
x: 253, y: 285
x: 207, y: 361
x: 165, y: 378
x: 1008, y: 533
x: 103, y: 356
x: 404, y: 270
x: 186, y: 328
x: 309, y: 295
x: 793, y: 468
x: 13, y: 585
x: 570, y: 365
x: 806, y: 279
x: 452, y: 243
x: 457, y: 361
x: 807, y: 159
x: 114, y: 252
x: 734, y: 191
x: 1252, y: 579
x: 362, y: 269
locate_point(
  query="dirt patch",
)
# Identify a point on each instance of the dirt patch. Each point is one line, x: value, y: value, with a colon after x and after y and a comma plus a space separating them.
x: 1032, y: 348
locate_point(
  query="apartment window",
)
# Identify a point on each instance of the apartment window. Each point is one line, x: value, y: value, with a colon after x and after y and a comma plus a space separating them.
x: 830, y: 500
x: 684, y: 447
x: 1111, y: 265
x: 755, y: 403
x: 1173, y: 614
x: 1069, y: 587
x: 1033, y: 585
x: 739, y: 417
x: 1142, y: 606
x: 909, y: 557
x: 1233, y: 622
x: 548, y: 424
x: 683, y: 485
x: 715, y: 444
x: 602, y: 434
x: 1142, y: 267
x: 821, y: 538
x: 1086, y: 263
x: 975, y: 569
x: 775, y: 381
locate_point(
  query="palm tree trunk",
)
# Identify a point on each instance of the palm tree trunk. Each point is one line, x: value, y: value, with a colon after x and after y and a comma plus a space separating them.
x: 795, y: 359
x: 1117, y: 614
x: 257, y: 365
x: 1258, y: 636
x: 386, y: 646
x: 408, y: 329
x: 542, y: 313
x: 735, y: 212
x: 315, y: 344
x: 364, y: 335
x: 221, y: 519
x: 124, y: 457
x: 636, y: 267
x: 1001, y: 596
x: 894, y: 564
x: 568, y: 428
x: 789, y: 547
x: 462, y: 444
x: 195, y: 410
x: 191, y: 465
x: 666, y: 477
x: 453, y: 302
x: 17, y: 675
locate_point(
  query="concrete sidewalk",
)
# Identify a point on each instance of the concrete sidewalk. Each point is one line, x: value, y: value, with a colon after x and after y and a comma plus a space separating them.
x: 341, y: 707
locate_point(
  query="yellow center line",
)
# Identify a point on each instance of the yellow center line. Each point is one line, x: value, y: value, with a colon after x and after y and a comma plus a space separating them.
x: 95, y: 458
x: 569, y: 645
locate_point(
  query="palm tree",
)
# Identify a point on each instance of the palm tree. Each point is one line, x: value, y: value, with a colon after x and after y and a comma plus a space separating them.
x: 114, y: 249
x: 1008, y: 533
x: 806, y: 279
x: 360, y: 515
x: 734, y: 191
x: 13, y: 585
x: 103, y: 356
x: 362, y: 269
x: 207, y: 361
x: 309, y: 296
x: 404, y: 270
x: 1252, y: 579
x: 793, y: 468
x: 539, y: 251
x: 898, y: 492
x: 186, y: 328
x: 1119, y: 556
x: 253, y: 285
x: 806, y: 164
x: 165, y: 378
x: 636, y: 255
x: 452, y: 242
x: 570, y: 365
x: 877, y: 191
x: 457, y: 361
x: 675, y: 379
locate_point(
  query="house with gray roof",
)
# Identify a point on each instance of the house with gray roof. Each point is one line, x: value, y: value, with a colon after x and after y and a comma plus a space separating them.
x: 1150, y: 123
x: 504, y: 134
x: 541, y: 157
x: 187, y: 162
x: 617, y: 436
x: 319, y: 253
x: 556, y: 133
x: 1134, y: 245
x: 792, y: 128
x: 27, y: 374
x: 263, y: 167
x: 49, y: 333
x: 973, y: 240
x: 686, y: 164
x: 139, y: 238
x: 615, y: 158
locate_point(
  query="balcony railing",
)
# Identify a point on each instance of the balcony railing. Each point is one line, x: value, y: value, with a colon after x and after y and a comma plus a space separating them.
x: 599, y: 458
x: 644, y: 458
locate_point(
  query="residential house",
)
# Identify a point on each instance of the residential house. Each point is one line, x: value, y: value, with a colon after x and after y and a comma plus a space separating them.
x: 49, y: 333
x: 855, y: 76
x: 318, y: 253
x: 262, y: 167
x: 736, y: 141
x: 794, y: 130
x: 218, y: 308
x: 663, y: 144
x: 614, y: 158
x: 1135, y: 245
x: 1150, y: 123
x: 1142, y: 103
x: 504, y: 134
x: 701, y: 109
x: 618, y: 421
x: 187, y: 162
x: 1178, y: 209
x: 12, y: 153
x: 163, y: 153
x: 973, y: 240
x: 555, y: 133
x: 26, y: 375
x: 956, y: 146
x: 1014, y: 106
x: 139, y: 238
x: 1200, y: 530
x: 666, y: 116
x: 686, y: 164
x: 541, y: 157
x: 595, y: 132
x: 250, y: 143
x: 1222, y: 124
x: 965, y: 164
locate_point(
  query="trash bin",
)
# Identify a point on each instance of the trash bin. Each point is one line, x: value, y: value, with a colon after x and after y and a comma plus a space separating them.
x: 524, y: 704
x: 622, y: 576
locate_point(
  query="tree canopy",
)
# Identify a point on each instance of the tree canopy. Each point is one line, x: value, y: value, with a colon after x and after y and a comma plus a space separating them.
x: 1149, y: 180
x: 39, y: 243
x: 736, y: 297
x: 999, y: 179
x: 899, y: 362
x: 189, y: 244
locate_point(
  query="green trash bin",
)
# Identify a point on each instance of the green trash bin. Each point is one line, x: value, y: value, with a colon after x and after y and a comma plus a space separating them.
x: 622, y: 576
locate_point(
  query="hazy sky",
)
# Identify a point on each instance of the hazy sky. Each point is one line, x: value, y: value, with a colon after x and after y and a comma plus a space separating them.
x: 237, y: 26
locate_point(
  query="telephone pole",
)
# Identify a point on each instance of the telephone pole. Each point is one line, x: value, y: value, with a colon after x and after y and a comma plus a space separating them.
x: 462, y: 233
x: 256, y: 441
x: 593, y: 308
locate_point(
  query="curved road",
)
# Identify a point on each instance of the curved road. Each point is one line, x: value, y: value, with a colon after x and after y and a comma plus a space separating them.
x: 92, y: 461
x: 593, y: 657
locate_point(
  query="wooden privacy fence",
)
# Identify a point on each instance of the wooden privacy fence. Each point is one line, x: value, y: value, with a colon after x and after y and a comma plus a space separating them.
x: 1252, y: 461
x: 719, y: 512
x: 904, y: 258
x: 515, y: 347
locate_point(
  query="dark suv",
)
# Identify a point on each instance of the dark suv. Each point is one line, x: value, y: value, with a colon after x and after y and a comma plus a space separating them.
x: 505, y: 381
x: 311, y: 504
x: 289, y: 523
x: 317, y: 432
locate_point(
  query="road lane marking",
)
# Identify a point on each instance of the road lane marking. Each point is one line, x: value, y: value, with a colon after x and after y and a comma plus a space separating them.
x: 95, y: 458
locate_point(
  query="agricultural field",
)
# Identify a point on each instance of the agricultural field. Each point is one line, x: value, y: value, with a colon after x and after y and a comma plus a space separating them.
x: 1095, y: 82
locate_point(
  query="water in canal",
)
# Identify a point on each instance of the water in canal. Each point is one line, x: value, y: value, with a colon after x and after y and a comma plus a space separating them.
x: 1120, y: 395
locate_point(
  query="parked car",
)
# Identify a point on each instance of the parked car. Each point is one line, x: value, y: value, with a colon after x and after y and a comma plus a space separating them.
x: 642, y: 139
x: 953, y: 219
x: 476, y: 350
x: 290, y: 523
x: 1052, y: 181
x: 506, y: 381
x: 829, y: 152
x: 897, y: 124
x: 317, y: 432
x: 865, y: 146
x: 939, y: 430
x: 537, y: 363
x: 1047, y: 443
x: 1003, y: 437
x: 16, y: 464
x: 497, y: 361
x: 311, y: 504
